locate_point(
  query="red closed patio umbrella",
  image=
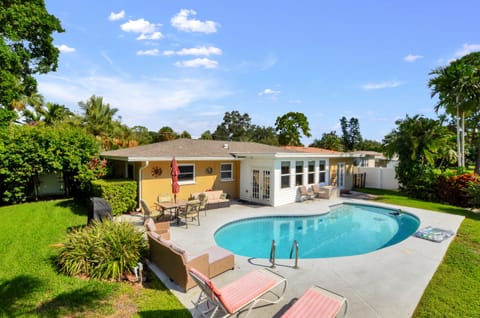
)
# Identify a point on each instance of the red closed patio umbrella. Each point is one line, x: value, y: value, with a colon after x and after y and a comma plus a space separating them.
x: 174, y: 172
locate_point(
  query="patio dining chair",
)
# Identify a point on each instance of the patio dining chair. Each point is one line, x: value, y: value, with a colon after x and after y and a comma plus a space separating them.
x: 240, y: 294
x: 190, y: 210
x: 147, y: 212
x: 202, y: 197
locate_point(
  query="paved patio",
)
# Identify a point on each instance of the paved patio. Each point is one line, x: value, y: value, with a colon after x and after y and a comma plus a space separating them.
x: 384, y: 283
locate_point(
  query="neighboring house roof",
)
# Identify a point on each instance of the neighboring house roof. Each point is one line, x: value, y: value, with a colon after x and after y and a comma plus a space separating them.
x: 194, y: 149
x: 369, y: 153
x: 313, y: 150
x: 197, y: 149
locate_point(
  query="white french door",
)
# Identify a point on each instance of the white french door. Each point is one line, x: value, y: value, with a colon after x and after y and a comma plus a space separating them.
x: 261, y: 180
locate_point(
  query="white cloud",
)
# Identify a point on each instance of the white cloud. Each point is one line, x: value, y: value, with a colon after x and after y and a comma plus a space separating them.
x: 199, y: 62
x: 153, y: 52
x: 197, y: 51
x: 147, y: 30
x: 182, y: 22
x: 65, y: 48
x: 145, y: 101
x: 412, y: 58
x: 467, y: 49
x: 116, y: 16
x: 381, y: 85
x: 207, y: 51
x: 269, y: 92
x: 150, y: 36
x: 169, y: 53
x: 106, y: 57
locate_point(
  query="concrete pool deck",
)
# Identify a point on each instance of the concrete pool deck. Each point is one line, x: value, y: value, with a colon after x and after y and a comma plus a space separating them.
x: 385, y: 283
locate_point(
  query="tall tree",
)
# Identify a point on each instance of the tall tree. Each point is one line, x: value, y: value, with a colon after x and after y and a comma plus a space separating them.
x: 26, y: 48
x: 206, y: 135
x: 235, y: 127
x: 290, y: 127
x: 167, y: 133
x: 421, y: 144
x: 55, y: 113
x: 457, y: 87
x: 98, y: 117
x: 143, y: 136
x: 328, y: 141
x: 351, y: 136
x: 264, y: 135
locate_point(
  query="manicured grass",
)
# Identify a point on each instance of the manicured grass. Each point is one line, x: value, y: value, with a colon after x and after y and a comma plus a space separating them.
x: 454, y: 290
x: 31, y: 287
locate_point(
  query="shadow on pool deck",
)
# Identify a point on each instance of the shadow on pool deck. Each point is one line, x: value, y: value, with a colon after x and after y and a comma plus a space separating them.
x: 385, y: 283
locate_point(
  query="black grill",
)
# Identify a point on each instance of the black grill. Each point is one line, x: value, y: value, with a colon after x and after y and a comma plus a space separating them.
x: 99, y: 210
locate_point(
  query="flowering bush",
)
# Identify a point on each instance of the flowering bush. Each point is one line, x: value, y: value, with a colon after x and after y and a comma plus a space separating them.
x: 452, y: 189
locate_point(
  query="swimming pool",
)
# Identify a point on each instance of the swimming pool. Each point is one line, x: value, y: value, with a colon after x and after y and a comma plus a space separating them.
x: 348, y: 229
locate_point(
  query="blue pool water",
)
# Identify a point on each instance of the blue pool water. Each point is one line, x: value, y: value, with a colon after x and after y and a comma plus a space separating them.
x: 348, y: 229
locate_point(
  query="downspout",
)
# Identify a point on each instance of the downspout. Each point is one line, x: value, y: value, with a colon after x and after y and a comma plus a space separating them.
x: 140, y: 184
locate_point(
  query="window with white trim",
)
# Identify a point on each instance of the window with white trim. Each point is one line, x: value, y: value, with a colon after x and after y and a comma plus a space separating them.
x: 322, y: 171
x: 187, y: 173
x: 226, y: 171
x: 298, y: 173
x: 311, y: 172
x: 285, y: 174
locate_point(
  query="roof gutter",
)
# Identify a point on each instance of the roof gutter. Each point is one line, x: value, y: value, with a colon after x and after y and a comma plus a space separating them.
x: 140, y: 184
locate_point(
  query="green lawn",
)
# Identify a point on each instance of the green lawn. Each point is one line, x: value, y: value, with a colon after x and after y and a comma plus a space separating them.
x: 454, y: 290
x: 31, y: 287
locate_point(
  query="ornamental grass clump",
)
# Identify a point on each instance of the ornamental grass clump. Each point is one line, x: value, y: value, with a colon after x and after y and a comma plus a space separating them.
x: 108, y: 250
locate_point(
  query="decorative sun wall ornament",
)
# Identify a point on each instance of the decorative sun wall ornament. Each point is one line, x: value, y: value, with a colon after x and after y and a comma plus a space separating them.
x: 156, y: 172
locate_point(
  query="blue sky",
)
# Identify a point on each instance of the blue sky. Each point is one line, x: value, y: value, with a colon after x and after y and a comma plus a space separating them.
x: 184, y: 64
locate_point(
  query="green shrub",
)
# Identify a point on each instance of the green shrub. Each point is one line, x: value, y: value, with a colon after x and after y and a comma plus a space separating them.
x: 107, y: 250
x: 121, y: 194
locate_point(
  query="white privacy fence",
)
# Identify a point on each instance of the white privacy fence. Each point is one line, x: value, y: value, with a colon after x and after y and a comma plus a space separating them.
x: 379, y: 178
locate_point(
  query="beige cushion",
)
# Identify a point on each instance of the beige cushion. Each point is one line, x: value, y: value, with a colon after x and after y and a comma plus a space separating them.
x: 150, y: 224
x: 177, y: 247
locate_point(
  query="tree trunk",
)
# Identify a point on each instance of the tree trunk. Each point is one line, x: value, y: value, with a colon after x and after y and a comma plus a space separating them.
x: 477, y: 161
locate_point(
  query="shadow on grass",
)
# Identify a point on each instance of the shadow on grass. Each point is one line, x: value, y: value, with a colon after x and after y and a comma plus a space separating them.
x: 13, y: 293
x: 172, y: 313
x: 78, y: 207
x: 74, y: 302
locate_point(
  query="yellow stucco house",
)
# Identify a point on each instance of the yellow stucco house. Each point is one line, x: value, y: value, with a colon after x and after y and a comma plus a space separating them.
x: 245, y: 170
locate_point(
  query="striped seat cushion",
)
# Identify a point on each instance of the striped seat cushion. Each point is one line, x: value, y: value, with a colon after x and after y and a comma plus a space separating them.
x: 314, y: 304
x: 245, y: 289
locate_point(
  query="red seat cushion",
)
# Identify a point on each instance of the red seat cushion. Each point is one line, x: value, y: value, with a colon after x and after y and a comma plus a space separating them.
x: 314, y: 304
x: 243, y: 290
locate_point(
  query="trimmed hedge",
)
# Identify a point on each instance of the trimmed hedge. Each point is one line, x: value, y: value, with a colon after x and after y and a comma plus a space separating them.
x: 121, y: 194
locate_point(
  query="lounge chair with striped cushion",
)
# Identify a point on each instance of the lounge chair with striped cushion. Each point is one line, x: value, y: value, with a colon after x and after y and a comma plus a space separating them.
x: 318, y: 302
x: 244, y: 292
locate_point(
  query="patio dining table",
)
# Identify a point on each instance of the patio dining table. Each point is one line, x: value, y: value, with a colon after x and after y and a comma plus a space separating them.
x: 173, y: 207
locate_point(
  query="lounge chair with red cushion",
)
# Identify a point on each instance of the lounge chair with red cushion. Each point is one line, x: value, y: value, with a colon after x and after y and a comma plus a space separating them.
x: 318, y: 302
x: 243, y: 292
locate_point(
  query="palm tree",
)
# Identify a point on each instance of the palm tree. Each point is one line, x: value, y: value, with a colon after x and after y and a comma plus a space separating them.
x: 98, y: 117
x: 458, y: 89
x: 55, y: 113
x: 421, y: 145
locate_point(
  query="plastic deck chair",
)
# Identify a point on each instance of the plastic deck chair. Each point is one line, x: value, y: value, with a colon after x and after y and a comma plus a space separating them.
x: 243, y: 292
x: 318, y: 302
